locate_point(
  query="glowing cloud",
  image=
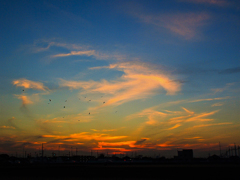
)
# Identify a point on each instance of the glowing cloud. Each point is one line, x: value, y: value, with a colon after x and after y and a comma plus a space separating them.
x: 25, y: 99
x: 85, y: 136
x: 77, y: 53
x: 27, y: 84
x: 7, y: 127
x: 138, y: 81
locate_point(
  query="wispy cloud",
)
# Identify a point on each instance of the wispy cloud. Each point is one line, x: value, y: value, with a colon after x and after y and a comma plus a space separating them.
x: 73, y: 50
x: 212, y: 2
x: 77, y: 53
x: 25, y: 99
x: 230, y: 70
x: 94, y: 53
x: 217, y: 104
x: 28, y: 84
x: 183, y: 24
x: 214, y: 124
x: 210, y: 99
x: 45, y: 45
x: 7, y: 127
x: 138, y: 81
x: 226, y: 87
x: 85, y: 136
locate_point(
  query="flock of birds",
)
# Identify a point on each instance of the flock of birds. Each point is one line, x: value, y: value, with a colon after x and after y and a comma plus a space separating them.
x: 79, y: 99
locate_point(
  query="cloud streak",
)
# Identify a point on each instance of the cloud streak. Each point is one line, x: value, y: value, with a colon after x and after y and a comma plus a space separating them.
x: 138, y: 81
x: 25, y: 100
x: 28, y: 84
x: 7, y: 127
x: 85, y: 136
x: 77, y: 53
x: 211, y: 2
x: 186, y: 25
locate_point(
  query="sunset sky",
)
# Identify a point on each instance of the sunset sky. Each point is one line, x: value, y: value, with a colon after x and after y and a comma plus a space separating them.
x: 114, y: 76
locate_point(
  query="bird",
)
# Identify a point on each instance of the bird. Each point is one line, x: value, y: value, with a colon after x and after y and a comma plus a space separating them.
x: 89, y: 113
x: 103, y: 102
x: 50, y: 100
x: 63, y: 106
x: 66, y: 101
x: 23, y: 90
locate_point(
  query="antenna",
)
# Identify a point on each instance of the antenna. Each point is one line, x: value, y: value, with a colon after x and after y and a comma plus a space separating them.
x: 220, y: 149
x: 235, y: 148
x: 42, y: 150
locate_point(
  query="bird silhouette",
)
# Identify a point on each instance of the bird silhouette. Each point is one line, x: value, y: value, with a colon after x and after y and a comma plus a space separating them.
x: 63, y: 106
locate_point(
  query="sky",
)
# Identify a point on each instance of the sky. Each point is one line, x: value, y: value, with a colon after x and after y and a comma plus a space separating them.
x: 119, y: 77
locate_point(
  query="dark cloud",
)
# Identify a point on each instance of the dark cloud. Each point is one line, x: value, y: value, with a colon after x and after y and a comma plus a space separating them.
x: 140, y: 141
x: 230, y: 70
x: 11, y: 123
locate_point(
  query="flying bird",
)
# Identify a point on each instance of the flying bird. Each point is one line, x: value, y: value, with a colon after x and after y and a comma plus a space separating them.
x: 63, y: 106
x: 50, y: 100
x: 89, y: 113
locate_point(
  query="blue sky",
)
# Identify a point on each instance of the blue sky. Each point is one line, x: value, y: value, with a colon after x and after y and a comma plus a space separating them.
x: 120, y: 76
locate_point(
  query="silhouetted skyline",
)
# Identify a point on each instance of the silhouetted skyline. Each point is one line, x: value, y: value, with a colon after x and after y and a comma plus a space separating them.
x: 120, y: 76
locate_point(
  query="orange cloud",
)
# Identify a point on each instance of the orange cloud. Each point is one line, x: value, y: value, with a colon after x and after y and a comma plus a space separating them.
x: 215, y: 124
x: 27, y: 84
x: 85, y: 136
x: 138, y: 81
x: 7, y: 127
x: 210, y: 99
x: 174, y: 127
x: 128, y: 143
x: 78, y: 53
x: 25, y: 99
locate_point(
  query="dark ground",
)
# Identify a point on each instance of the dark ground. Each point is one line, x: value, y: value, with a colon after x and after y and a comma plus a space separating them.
x: 111, y: 171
